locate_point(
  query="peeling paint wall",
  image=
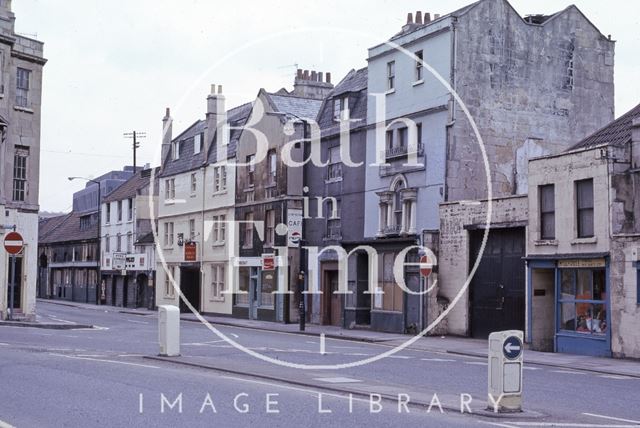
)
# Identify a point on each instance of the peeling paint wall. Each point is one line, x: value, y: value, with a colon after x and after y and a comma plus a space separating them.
x: 551, y: 82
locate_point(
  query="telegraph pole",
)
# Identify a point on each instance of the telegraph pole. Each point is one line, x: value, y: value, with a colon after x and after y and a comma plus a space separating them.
x: 135, y: 135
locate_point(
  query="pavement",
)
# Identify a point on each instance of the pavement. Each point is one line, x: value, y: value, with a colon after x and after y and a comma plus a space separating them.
x: 85, y: 377
x: 454, y: 345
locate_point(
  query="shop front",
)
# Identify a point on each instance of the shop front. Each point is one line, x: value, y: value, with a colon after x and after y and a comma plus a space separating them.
x: 257, y: 283
x: 569, y: 305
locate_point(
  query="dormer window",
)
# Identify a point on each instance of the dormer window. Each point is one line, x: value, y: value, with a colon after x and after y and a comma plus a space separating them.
x: 341, y: 108
x: 197, y: 143
x: 176, y: 150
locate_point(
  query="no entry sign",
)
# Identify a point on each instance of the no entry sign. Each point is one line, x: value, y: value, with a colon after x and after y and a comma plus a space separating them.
x: 13, y: 243
x: 426, y: 266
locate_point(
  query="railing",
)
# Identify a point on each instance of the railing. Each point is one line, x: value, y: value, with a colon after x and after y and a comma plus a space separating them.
x: 402, y: 151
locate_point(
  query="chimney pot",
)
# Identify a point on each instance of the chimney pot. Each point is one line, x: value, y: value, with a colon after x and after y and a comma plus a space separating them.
x: 213, y: 88
x: 409, y: 18
x: 305, y: 75
x: 418, y: 17
x: 436, y: 16
x: 220, y: 89
x: 299, y: 73
x: 328, y: 77
x: 314, y: 76
x: 427, y: 17
x: 320, y: 78
x: 167, y: 112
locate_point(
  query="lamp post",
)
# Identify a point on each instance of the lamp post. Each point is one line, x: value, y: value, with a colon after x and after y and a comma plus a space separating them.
x: 98, y: 279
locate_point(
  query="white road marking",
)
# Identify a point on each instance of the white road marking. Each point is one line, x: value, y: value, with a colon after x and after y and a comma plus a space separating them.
x: 322, y: 344
x: 439, y: 360
x: 618, y: 377
x: 496, y: 424
x: 476, y: 363
x: 310, y: 342
x: 595, y: 415
x: 400, y: 357
x: 60, y: 319
x: 137, y: 322
x: 293, y: 388
x: 356, y: 354
x: 104, y: 361
x: 564, y: 424
x: 530, y: 368
x: 234, y: 335
x: 568, y: 372
x: 337, y: 379
x: 4, y: 424
x: 4, y: 344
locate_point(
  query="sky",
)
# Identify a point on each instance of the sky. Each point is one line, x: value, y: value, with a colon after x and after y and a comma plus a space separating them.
x: 114, y: 66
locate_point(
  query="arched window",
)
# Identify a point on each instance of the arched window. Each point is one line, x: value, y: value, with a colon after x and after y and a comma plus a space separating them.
x: 397, y: 202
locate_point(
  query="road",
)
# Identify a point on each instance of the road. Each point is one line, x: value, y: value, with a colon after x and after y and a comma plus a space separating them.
x: 102, y: 376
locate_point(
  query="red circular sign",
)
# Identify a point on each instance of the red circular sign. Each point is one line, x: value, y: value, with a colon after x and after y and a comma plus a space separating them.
x: 13, y: 243
x: 425, y: 266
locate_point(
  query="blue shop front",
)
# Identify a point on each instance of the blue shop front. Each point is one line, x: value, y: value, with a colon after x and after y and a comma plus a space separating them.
x: 568, y: 304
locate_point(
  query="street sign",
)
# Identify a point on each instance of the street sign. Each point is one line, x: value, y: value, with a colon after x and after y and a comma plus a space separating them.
x: 119, y: 261
x: 190, y: 253
x: 268, y: 262
x: 426, y: 266
x: 512, y: 347
x: 13, y: 243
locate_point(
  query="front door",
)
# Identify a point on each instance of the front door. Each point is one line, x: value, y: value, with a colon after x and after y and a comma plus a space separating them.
x: 190, y: 287
x: 497, y: 289
x: 333, y: 305
x: 17, y: 284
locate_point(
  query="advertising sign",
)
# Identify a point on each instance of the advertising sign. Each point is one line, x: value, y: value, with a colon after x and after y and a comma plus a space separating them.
x: 294, y: 226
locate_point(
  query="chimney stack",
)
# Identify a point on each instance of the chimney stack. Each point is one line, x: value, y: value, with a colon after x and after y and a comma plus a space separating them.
x: 167, y: 130
x: 436, y: 16
x: 216, y: 120
x: 419, y: 17
x: 427, y: 17
x: 409, y: 18
x: 310, y: 84
x: 635, y: 142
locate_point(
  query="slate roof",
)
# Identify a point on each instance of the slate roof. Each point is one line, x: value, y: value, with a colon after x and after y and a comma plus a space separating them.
x: 189, y: 161
x: 354, y: 85
x: 130, y: 188
x: 616, y: 133
x: 66, y: 228
x: 305, y: 108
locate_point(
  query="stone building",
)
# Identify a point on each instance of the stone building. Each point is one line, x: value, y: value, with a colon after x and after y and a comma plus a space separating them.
x: 269, y: 193
x: 582, y: 251
x: 68, y: 257
x: 533, y: 86
x: 127, y: 253
x: 21, y: 64
x: 68, y: 249
x: 196, y: 208
x: 336, y: 197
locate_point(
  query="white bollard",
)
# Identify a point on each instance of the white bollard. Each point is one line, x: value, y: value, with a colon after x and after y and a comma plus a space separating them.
x: 505, y: 371
x: 169, y: 330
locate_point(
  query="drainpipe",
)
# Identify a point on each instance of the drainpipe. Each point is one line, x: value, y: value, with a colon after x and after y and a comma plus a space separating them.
x: 452, y: 105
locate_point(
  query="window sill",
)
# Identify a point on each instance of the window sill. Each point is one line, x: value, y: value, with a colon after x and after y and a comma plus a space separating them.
x: 249, y: 189
x: 217, y: 299
x: 333, y: 180
x: 193, y: 195
x: 546, y: 243
x: 23, y: 109
x: 220, y: 192
x: 390, y: 91
x: 218, y: 244
x: 578, y: 241
x: 418, y: 82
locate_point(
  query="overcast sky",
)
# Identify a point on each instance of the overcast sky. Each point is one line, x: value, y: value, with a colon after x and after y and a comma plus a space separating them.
x: 115, y: 65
